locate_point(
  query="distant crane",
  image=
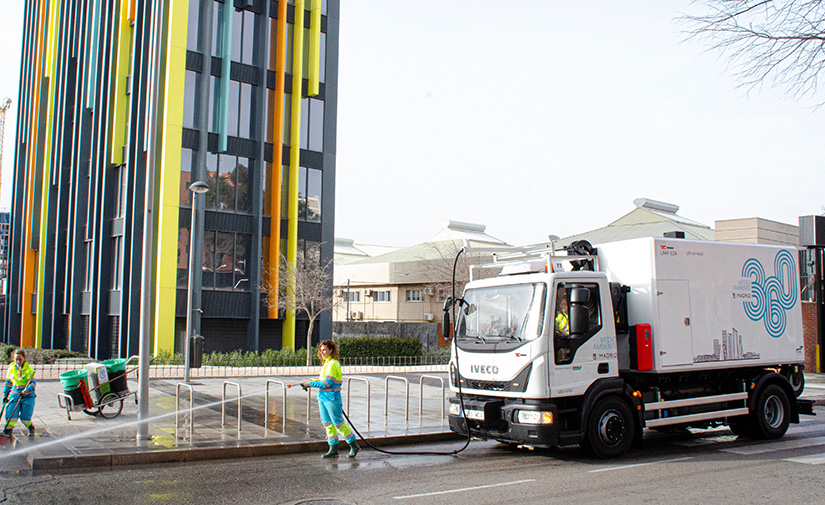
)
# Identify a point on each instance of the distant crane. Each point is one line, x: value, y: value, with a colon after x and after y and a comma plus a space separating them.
x: 4, y: 106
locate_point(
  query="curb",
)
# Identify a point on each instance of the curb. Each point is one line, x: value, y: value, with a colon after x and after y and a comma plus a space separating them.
x: 37, y: 462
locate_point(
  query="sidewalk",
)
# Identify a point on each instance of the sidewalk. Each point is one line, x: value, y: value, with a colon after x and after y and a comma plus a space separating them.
x: 208, y: 432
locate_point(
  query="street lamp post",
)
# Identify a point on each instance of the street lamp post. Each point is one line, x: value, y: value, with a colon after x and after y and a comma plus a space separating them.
x: 193, y: 304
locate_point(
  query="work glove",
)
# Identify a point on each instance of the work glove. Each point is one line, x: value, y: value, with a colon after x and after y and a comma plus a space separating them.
x: 5, y: 398
x: 305, y: 385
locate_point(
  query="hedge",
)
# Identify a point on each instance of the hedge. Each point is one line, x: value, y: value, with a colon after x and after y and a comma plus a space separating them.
x: 38, y: 356
x: 369, y: 347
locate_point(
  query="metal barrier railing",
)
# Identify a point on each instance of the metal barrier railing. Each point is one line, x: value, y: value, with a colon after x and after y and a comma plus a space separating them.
x: 309, y: 402
x: 191, y: 407
x: 266, y: 403
x: 360, y: 379
x: 65, y: 401
x: 387, y: 396
x: 223, y: 403
x: 421, y: 394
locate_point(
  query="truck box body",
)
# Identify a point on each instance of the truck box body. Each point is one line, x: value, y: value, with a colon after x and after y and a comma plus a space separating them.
x: 710, y: 305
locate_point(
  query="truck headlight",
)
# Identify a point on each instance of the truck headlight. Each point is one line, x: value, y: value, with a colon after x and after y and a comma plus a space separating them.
x: 534, y: 417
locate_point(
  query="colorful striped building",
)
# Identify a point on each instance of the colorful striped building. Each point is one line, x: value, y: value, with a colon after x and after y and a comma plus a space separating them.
x: 125, y: 103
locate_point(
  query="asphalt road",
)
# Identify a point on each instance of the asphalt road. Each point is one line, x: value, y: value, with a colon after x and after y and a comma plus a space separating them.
x: 697, y: 467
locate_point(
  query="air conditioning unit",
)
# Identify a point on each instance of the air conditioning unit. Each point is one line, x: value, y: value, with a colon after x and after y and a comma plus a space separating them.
x: 356, y: 314
x: 339, y: 292
x: 428, y: 317
x: 367, y: 292
x: 428, y: 291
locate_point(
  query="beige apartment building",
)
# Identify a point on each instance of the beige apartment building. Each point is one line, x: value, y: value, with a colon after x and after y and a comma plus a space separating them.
x: 407, y: 284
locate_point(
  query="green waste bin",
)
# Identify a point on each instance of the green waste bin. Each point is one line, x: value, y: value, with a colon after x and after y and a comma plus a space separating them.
x: 116, y: 369
x: 71, y: 385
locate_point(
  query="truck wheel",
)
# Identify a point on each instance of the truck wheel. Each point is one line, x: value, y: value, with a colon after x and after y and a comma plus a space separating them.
x: 609, y: 430
x: 772, y: 412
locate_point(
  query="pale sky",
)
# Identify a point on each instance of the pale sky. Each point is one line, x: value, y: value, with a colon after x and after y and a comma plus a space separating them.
x: 538, y: 117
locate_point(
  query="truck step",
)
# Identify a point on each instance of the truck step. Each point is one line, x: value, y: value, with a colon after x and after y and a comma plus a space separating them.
x: 692, y: 402
x: 719, y: 414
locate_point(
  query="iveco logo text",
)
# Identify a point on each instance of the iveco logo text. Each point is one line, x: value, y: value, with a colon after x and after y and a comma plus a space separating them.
x: 488, y: 369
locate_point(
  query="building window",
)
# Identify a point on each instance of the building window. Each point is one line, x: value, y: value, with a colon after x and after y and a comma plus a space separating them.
x: 309, y: 195
x: 414, y: 295
x: 187, y: 159
x: 354, y: 296
x: 225, y: 260
x: 228, y: 180
x: 381, y: 296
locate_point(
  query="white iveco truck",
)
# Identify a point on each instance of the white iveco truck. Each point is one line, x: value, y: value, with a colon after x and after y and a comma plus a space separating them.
x: 591, y: 346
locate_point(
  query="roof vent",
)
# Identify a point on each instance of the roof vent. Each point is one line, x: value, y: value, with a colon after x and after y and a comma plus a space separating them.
x: 647, y: 203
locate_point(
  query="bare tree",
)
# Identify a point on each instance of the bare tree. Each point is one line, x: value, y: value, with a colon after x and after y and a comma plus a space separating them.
x: 441, y: 258
x: 310, y: 281
x: 781, y: 41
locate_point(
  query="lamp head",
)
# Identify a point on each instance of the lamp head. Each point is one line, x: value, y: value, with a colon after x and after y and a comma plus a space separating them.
x: 198, y: 187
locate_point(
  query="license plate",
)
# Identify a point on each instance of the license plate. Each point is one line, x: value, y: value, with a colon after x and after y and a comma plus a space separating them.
x: 478, y: 415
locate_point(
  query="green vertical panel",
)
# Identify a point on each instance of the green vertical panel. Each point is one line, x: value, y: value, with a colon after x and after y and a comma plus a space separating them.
x: 92, y: 43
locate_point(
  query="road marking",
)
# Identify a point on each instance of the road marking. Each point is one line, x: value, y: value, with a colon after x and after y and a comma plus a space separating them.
x: 434, y: 493
x: 814, y: 386
x: 638, y: 464
x: 750, y: 450
x: 812, y: 459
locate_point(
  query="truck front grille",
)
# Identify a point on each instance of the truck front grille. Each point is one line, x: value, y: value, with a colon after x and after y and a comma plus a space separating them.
x: 487, y: 385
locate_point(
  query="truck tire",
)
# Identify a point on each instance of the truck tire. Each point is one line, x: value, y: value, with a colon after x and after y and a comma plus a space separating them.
x: 771, y: 412
x: 609, y: 430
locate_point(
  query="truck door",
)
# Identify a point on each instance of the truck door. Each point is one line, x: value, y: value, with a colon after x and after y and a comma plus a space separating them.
x: 675, y: 337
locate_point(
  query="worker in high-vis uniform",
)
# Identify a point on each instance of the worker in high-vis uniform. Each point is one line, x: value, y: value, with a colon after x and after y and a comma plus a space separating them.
x: 329, y: 400
x: 18, y: 394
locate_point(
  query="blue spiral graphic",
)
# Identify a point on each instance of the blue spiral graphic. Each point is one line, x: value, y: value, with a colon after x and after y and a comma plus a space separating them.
x: 771, y: 297
x: 755, y: 308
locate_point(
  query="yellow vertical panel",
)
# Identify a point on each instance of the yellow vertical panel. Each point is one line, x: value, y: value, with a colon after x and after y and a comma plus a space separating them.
x: 169, y: 173
x: 288, y: 333
x: 314, y: 69
x: 119, y: 97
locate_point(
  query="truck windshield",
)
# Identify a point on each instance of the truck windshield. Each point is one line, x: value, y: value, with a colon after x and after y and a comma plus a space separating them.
x: 512, y: 313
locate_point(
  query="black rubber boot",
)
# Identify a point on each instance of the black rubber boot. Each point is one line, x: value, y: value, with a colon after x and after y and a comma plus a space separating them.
x: 332, y: 452
x: 353, y: 449
x: 31, y: 431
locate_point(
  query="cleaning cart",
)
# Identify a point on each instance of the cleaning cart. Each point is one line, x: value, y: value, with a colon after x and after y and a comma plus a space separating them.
x: 98, y: 389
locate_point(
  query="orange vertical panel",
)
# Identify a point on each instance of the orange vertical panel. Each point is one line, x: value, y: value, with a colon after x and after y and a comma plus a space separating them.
x: 278, y: 151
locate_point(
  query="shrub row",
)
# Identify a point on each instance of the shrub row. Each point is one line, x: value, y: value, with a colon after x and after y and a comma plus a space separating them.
x: 371, y: 347
x: 37, y: 356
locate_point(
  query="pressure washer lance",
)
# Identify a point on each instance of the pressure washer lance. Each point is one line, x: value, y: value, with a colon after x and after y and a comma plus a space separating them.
x: 395, y: 453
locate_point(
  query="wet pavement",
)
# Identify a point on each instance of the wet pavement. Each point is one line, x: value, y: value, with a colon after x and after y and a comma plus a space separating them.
x: 386, y: 405
x: 392, y: 406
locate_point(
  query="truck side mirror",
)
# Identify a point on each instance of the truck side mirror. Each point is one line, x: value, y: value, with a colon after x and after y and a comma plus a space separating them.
x: 445, y: 325
x: 579, y: 313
